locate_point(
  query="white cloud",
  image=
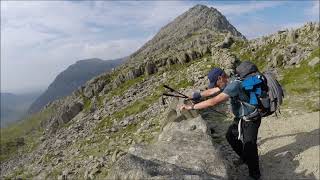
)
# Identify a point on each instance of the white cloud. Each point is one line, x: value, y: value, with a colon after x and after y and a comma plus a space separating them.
x: 41, y: 38
x: 314, y: 11
x: 242, y: 8
x: 256, y: 27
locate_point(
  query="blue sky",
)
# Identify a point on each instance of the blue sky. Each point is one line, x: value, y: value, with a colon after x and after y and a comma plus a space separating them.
x: 39, y: 39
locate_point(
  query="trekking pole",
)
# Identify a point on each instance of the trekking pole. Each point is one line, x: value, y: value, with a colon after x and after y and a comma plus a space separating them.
x: 186, y: 97
x: 172, y: 95
x: 172, y: 90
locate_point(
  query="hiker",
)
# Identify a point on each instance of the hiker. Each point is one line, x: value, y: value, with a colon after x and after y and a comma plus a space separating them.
x: 242, y: 134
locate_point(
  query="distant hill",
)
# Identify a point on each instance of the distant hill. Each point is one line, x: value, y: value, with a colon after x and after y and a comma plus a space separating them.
x: 14, y: 107
x: 70, y: 79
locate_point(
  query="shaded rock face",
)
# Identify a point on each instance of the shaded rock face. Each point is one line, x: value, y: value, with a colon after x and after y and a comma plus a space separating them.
x: 150, y: 68
x: 94, y: 86
x: 65, y: 111
x: 183, y: 150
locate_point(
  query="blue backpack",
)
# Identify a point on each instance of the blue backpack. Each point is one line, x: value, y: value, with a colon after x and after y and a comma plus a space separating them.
x: 264, y: 91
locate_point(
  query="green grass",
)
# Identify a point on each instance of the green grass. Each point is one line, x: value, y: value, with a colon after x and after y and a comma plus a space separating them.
x: 86, y: 102
x: 302, y: 82
x: 100, y: 100
x: 238, y: 46
x: 303, y: 79
x: 125, y: 86
x: 259, y: 56
x: 29, y: 129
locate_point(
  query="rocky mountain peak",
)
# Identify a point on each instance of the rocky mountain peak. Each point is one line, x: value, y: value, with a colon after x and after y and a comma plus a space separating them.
x: 199, y: 17
x: 200, y: 28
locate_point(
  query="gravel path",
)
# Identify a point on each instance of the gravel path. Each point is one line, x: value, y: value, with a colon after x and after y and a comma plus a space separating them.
x: 289, y: 147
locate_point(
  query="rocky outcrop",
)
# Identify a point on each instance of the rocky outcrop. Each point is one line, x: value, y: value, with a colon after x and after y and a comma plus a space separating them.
x: 285, y: 49
x: 224, y: 58
x: 227, y: 42
x: 184, y: 150
x: 150, y: 68
x: 64, y: 112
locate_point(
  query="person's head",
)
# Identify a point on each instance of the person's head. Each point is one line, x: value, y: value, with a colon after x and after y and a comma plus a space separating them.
x: 218, y: 78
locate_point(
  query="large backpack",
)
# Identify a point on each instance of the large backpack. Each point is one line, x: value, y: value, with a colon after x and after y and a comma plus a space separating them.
x: 264, y: 91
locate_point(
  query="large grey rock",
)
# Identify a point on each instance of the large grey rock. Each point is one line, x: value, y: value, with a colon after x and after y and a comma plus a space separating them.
x: 178, y: 153
x: 63, y: 114
x: 71, y: 111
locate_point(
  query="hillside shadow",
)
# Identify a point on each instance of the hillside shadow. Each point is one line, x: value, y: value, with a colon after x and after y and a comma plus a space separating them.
x: 283, y: 160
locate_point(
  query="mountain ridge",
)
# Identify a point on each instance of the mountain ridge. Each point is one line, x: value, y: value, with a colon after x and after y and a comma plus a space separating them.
x: 72, y: 78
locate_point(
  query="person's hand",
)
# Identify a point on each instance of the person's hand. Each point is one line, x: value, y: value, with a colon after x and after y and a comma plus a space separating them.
x: 186, y: 107
x: 190, y: 98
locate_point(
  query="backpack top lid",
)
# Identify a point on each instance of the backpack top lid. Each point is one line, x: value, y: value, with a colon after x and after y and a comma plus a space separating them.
x: 245, y: 68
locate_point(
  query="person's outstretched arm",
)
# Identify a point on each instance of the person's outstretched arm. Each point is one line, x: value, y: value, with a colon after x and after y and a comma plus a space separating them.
x: 206, y: 93
x: 208, y: 103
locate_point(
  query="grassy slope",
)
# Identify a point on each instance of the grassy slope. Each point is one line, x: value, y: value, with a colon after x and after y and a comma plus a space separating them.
x: 302, y: 85
x: 28, y: 131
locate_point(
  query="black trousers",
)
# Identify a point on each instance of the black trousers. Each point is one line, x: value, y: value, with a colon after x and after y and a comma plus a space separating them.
x: 246, y: 149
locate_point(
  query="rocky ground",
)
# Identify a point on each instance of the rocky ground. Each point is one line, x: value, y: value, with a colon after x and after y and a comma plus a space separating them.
x: 289, y: 146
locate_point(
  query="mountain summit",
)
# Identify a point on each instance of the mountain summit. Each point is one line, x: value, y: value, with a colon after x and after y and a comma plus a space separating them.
x: 197, y: 20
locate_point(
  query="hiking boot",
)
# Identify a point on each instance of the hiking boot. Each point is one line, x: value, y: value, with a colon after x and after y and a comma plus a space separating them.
x: 238, y: 162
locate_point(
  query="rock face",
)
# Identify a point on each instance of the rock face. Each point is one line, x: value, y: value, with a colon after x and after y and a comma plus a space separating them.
x: 73, y: 77
x: 63, y: 114
x: 184, y: 150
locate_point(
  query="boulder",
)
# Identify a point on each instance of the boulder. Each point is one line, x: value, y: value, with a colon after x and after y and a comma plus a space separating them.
x: 71, y: 111
x: 292, y: 36
x: 314, y: 61
x: 227, y: 42
x: 181, y: 151
x: 94, y: 86
x: 294, y: 60
x: 150, y: 68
